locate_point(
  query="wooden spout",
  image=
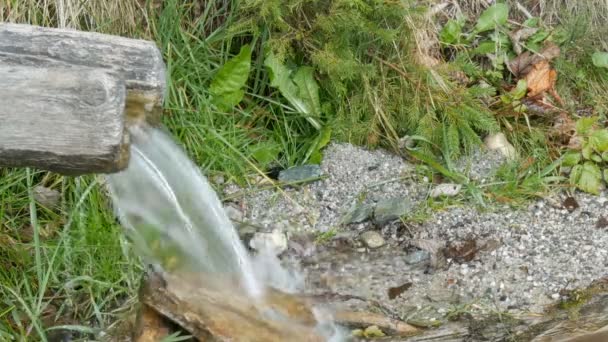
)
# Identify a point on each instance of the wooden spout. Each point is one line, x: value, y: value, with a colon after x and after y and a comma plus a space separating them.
x: 68, y: 97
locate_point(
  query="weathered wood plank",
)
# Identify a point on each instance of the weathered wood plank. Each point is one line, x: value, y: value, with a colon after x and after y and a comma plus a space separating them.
x: 67, y: 120
x: 139, y: 62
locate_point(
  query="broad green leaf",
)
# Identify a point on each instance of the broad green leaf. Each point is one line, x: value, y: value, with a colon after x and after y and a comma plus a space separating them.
x: 495, y: 15
x: 584, y: 125
x: 588, y: 178
x: 226, y: 87
x: 532, y: 22
x: 575, y: 174
x: 600, y: 59
x: 280, y: 78
x: 266, y: 152
x: 599, y: 140
x: 451, y: 32
x: 605, y: 175
x: 596, y: 158
x: 308, y: 90
x: 605, y: 156
x: 520, y: 90
x: 314, y: 154
x: 587, y: 151
x: 538, y: 37
x: 571, y: 159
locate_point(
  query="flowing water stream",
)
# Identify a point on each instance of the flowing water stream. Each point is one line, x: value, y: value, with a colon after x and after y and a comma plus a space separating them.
x: 177, y: 220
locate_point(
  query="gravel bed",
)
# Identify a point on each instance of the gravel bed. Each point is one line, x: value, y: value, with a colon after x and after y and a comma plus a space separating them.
x: 531, y: 255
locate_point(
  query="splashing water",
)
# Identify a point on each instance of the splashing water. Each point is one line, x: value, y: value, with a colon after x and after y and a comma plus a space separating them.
x: 171, y: 210
x: 163, y: 196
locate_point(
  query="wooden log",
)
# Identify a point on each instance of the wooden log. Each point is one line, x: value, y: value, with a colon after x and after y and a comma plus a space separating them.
x: 67, y: 120
x: 139, y: 62
x: 217, y: 310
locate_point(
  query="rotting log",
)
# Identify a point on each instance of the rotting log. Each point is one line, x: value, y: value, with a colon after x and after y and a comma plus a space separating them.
x: 214, y: 310
x: 211, y: 309
x: 68, y: 120
x: 139, y: 62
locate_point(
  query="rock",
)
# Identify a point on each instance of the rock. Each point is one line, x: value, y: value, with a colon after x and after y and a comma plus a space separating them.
x: 499, y: 142
x: 358, y: 213
x: 391, y: 209
x: 274, y: 242
x: 47, y: 197
x: 234, y: 214
x: 446, y: 189
x: 443, y: 295
x: 246, y: 232
x: 300, y: 173
x: 417, y: 257
x: 372, y: 239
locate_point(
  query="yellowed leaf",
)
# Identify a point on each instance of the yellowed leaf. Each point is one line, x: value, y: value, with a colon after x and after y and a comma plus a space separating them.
x: 541, y: 78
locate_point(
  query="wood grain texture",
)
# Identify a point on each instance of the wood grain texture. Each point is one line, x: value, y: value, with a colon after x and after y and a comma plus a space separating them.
x: 67, y: 120
x: 139, y: 62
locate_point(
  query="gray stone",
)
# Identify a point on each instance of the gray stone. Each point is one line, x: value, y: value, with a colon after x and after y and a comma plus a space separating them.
x: 358, y: 213
x: 233, y: 213
x: 300, y: 173
x: 47, y: 197
x: 372, y: 239
x: 417, y: 257
x: 391, y: 209
x: 445, y: 189
x: 274, y: 242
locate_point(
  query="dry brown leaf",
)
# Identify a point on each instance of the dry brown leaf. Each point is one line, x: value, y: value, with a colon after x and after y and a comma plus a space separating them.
x: 541, y: 78
x: 571, y: 204
x: 462, y: 252
x: 521, y: 65
x: 394, y: 292
x: 564, y: 127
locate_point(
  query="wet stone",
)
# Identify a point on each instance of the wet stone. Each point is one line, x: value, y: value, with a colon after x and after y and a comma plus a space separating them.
x: 274, y: 242
x: 417, y: 257
x: 358, y: 213
x: 372, y: 239
x: 300, y: 173
x: 391, y: 209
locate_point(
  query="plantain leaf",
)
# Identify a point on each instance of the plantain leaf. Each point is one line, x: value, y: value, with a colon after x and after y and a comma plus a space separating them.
x: 308, y: 90
x: 314, y: 155
x: 451, y: 32
x: 495, y: 15
x: 301, y: 91
x: 227, y: 86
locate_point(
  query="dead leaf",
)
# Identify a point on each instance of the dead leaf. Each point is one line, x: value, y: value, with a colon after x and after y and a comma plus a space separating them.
x: 521, y: 65
x: 434, y: 247
x: 541, y: 78
x: 462, y: 252
x: 570, y: 204
x: 394, y: 292
x: 564, y: 126
x: 520, y: 35
x: 602, y: 223
x: 540, y: 106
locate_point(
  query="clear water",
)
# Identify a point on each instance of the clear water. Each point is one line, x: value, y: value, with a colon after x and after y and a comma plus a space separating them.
x: 177, y: 221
